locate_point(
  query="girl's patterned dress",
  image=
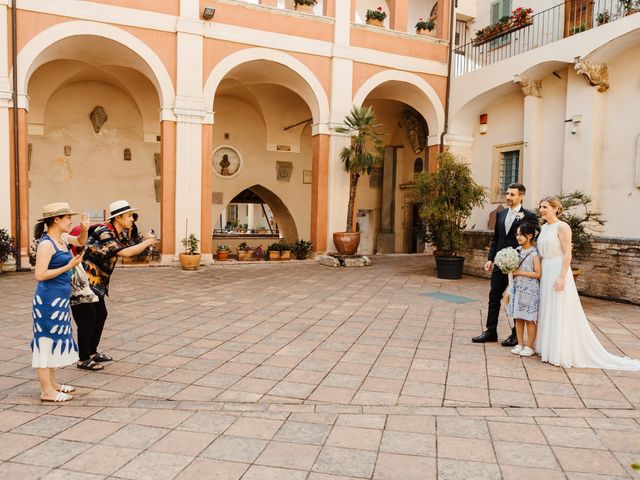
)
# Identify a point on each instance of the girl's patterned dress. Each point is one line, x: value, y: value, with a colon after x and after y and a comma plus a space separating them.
x: 53, y: 344
x: 525, y: 291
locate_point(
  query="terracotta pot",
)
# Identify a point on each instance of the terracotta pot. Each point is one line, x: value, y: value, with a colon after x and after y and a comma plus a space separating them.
x: 189, y: 262
x: 304, y: 8
x: 375, y: 22
x: 285, y: 255
x: 274, y: 255
x: 426, y: 33
x: 346, y: 242
x: 241, y: 255
x: 223, y: 255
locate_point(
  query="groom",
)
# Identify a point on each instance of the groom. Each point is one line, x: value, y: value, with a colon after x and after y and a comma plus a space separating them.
x: 504, y: 235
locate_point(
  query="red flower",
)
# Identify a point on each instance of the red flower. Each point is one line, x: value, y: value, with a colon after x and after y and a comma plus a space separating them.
x: 379, y: 9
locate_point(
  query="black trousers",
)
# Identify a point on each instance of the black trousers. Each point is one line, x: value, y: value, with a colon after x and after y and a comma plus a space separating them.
x: 90, y: 319
x: 499, y: 283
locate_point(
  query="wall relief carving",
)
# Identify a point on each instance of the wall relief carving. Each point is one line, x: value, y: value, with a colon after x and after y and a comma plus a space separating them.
x: 226, y: 162
x: 528, y: 86
x: 417, y: 130
x: 596, y: 74
x: 98, y: 118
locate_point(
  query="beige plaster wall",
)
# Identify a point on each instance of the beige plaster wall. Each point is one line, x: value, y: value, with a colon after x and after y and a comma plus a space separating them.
x: 505, y: 125
x: 95, y: 174
x: 619, y: 197
x: 248, y: 136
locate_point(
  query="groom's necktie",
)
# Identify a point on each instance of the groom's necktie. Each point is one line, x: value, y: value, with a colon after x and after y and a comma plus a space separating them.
x: 508, y: 221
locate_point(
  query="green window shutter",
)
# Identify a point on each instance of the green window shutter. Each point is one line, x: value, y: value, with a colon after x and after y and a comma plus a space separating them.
x: 505, y: 8
x: 494, y: 12
x: 510, y: 168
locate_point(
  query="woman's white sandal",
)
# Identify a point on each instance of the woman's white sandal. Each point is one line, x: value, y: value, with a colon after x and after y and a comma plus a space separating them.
x: 60, y: 397
x: 67, y: 388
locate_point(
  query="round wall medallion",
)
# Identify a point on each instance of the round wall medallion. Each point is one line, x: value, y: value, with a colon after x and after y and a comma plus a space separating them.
x: 226, y: 162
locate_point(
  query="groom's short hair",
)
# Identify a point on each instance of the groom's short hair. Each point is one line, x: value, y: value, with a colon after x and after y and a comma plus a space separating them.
x: 519, y: 187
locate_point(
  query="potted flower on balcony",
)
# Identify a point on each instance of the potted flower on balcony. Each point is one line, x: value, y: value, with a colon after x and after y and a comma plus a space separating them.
x: 376, y: 17
x: 222, y: 253
x: 630, y: 7
x: 304, y: 5
x: 425, y: 27
x: 447, y: 197
x: 364, y: 153
x: 6, y: 247
x: 521, y: 17
x: 603, y: 17
x: 190, y: 258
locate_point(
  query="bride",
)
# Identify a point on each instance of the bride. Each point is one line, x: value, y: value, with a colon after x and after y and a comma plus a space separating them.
x: 564, y: 336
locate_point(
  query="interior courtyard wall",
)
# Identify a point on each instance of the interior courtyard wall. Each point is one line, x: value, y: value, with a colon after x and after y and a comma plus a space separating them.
x: 248, y: 136
x: 505, y: 125
x: 95, y: 173
x: 619, y: 194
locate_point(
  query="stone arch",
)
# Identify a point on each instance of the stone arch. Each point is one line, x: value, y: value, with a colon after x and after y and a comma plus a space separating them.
x: 415, y: 92
x: 310, y: 89
x: 33, y: 55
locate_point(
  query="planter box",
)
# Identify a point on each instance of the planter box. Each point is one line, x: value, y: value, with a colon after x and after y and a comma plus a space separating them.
x: 304, y: 8
x: 375, y: 23
x: 490, y: 38
x: 426, y: 33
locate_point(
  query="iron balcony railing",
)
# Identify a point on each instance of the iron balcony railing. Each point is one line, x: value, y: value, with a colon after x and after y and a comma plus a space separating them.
x: 548, y: 26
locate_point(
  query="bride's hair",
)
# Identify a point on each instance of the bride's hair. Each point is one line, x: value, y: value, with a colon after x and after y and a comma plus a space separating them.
x: 554, y: 202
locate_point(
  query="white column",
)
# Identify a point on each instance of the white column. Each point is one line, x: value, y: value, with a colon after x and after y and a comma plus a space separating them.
x: 341, y: 102
x: 533, y: 138
x: 5, y: 140
x: 190, y: 112
x: 583, y: 149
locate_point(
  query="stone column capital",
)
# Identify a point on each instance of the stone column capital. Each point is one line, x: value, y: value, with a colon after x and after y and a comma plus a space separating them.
x: 529, y: 86
x: 596, y: 74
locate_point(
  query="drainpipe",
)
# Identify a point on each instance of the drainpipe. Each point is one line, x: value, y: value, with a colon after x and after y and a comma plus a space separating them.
x: 16, y: 155
x: 452, y: 33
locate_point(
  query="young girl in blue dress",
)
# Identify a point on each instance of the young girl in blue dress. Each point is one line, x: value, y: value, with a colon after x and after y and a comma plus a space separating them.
x: 53, y: 345
x: 525, y: 292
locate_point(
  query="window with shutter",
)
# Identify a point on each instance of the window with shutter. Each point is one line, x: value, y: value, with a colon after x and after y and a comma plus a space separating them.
x: 510, y: 168
x: 497, y: 10
x: 506, y: 168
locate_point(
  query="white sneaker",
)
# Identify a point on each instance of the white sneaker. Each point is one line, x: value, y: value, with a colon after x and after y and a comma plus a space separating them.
x: 527, y: 352
x: 516, y: 350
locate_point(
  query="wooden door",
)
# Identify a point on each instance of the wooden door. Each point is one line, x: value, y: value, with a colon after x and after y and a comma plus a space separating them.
x: 578, y: 16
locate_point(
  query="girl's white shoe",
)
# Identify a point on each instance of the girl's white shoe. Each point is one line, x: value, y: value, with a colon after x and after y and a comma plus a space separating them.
x: 516, y: 350
x: 527, y: 352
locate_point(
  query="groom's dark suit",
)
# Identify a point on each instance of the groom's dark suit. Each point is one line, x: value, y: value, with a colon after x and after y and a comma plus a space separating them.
x: 503, y: 239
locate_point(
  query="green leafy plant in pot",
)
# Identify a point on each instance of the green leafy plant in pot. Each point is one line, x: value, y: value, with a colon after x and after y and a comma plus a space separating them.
x: 7, y: 248
x: 364, y: 153
x: 190, y: 258
x: 448, y: 197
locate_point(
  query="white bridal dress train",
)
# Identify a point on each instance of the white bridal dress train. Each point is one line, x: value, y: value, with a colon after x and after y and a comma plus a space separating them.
x: 564, y: 336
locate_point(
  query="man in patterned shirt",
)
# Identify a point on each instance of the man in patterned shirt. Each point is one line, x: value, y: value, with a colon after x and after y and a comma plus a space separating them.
x: 105, y: 244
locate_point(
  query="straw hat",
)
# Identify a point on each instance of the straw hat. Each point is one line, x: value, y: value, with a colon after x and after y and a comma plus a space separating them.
x: 119, y: 207
x: 56, y: 210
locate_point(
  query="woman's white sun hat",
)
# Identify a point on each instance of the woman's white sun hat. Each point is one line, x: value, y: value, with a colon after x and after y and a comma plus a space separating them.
x: 119, y: 207
x: 56, y: 210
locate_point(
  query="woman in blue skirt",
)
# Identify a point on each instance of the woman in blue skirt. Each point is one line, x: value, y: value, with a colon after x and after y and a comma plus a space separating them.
x: 53, y: 345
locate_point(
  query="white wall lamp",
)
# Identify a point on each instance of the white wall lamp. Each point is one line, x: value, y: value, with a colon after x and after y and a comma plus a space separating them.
x: 575, y: 120
x: 208, y: 13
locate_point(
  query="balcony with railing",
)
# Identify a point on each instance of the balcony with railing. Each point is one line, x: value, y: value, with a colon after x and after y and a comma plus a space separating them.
x: 514, y: 36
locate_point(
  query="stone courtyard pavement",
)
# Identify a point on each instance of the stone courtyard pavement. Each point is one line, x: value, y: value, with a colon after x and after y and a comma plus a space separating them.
x: 304, y: 372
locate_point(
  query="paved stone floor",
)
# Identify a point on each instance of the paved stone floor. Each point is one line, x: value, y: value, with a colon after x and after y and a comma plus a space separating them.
x: 299, y: 371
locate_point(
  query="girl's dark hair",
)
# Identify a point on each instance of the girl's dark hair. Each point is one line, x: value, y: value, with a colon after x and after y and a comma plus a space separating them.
x: 38, y: 230
x: 528, y: 228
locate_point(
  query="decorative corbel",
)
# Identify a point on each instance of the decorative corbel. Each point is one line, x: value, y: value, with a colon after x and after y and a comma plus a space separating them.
x: 596, y: 74
x: 528, y: 86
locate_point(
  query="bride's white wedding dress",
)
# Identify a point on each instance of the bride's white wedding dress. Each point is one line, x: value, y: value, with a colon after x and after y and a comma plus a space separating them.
x: 564, y: 336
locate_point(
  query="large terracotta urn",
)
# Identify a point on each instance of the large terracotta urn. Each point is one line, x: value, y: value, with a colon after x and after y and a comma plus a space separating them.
x: 346, y: 242
x: 189, y: 262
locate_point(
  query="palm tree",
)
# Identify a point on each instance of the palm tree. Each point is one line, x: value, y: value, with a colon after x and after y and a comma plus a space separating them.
x: 357, y: 159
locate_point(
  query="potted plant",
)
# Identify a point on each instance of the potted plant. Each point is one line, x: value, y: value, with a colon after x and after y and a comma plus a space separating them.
x: 274, y: 251
x: 222, y: 252
x: 364, y: 153
x: 578, y: 29
x: 448, y: 197
x: 301, y: 249
x: 285, y: 250
x: 582, y: 220
x: 190, y: 258
x: 521, y: 17
x: 425, y: 27
x: 603, y: 17
x: 259, y: 253
x: 304, y: 5
x: 245, y: 252
x: 6, y: 246
x: 629, y: 7
x: 376, y: 17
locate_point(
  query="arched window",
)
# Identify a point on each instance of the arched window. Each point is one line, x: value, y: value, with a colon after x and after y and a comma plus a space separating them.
x: 418, y: 166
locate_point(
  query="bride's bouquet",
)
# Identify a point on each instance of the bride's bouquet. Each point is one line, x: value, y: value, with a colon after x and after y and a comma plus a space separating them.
x: 507, y: 260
